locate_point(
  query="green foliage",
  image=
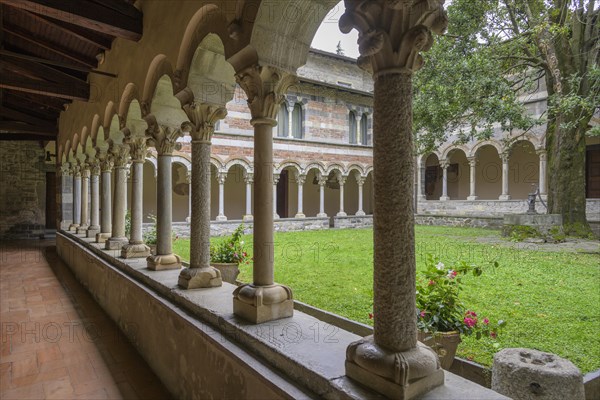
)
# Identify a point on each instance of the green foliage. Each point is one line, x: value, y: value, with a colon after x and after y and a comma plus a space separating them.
x: 230, y: 250
x: 579, y: 230
x: 128, y: 223
x: 439, y: 305
x: 150, y: 236
x: 518, y: 233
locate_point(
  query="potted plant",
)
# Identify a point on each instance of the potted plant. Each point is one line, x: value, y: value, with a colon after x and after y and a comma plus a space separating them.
x: 228, y: 254
x: 441, y: 315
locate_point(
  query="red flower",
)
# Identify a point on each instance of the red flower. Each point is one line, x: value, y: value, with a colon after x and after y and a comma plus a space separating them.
x: 493, y: 335
x: 370, y: 315
x: 431, y: 283
x: 470, y: 322
x: 486, y: 321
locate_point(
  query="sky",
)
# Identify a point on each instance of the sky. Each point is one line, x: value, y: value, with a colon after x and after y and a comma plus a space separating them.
x: 329, y: 34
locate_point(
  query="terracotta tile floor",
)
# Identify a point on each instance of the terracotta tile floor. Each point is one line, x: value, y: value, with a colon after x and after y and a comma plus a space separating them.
x: 56, y: 342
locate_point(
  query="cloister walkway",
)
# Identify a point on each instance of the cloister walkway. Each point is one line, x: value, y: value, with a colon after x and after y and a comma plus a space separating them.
x: 56, y: 342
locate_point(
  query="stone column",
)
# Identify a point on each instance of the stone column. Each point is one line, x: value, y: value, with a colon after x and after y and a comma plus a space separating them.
x: 444, y: 165
x: 505, y: 195
x: 95, y: 203
x: 106, y: 166
x: 360, y: 180
x: 421, y: 182
x: 322, y: 183
x: 164, y: 139
x: 275, y: 182
x: 263, y: 300
x: 221, y: 177
x: 188, y: 178
x: 391, y: 35
x: 543, y: 185
x: 248, y: 179
x: 201, y: 274
x: 342, y: 181
x: 76, y: 198
x: 300, y: 179
x: 472, y: 175
x: 85, y: 199
x: 136, y: 247
x: 290, y: 120
x: 120, y: 157
x: 66, y: 186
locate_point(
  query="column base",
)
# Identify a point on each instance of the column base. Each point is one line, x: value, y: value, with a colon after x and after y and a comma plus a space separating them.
x: 82, y: 230
x: 92, y: 231
x: 188, y: 220
x: 360, y: 214
x: 196, y: 278
x: 102, y: 237
x: 472, y: 198
x: 248, y: 217
x: 544, y: 197
x: 421, y: 198
x: 504, y: 197
x: 221, y: 218
x: 444, y: 198
x: 73, y: 227
x: 321, y: 215
x: 116, y: 243
x: 139, y: 250
x: 299, y: 215
x: 341, y: 214
x: 163, y: 262
x: 276, y: 216
x: 402, y: 375
x: 259, y: 304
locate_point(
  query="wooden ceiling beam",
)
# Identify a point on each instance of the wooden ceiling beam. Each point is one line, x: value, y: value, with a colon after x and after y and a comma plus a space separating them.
x: 71, y: 91
x: 17, y: 127
x: 52, y: 47
x: 9, y: 113
x: 40, y: 70
x: 51, y: 103
x: 80, y: 33
x: 30, y: 137
x: 88, y: 14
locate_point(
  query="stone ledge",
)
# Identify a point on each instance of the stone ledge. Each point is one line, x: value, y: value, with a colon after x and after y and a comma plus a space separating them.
x: 307, y: 350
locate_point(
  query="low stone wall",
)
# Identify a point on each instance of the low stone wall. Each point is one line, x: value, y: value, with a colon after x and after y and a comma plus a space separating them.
x: 458, y: 220
x: 592, y: 210
x: 481, y: 208
x: 353, y: 221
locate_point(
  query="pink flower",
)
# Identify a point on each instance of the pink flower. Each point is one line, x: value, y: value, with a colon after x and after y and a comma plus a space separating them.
x: 493, y: 335
x: 422, y: 314
x: 469, y: 322
x: 486, y: 321
x: 452, y: 274
x: 470, y: 314
x: 431, y: 283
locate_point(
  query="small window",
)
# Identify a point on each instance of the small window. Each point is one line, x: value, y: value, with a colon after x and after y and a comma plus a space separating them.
x: 297, y: 121
x: 282, y: 121
x: 352, y: 125
x: 364, y: 129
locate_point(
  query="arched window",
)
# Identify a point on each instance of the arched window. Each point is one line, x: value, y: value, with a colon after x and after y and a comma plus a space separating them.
x: 364, y: 129
x: 282, y: 121
x: 352, y: 125
x: 297, y: 121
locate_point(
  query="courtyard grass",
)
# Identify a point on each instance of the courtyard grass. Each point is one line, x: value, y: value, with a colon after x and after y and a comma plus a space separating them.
x: 549, y: 299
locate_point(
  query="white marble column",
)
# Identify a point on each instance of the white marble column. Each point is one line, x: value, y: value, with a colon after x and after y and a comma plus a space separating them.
x: 543, y: 185
x: 275, y: 182
x: 248, y: 179
x: 200, y: 273
x: 391, y: 361
x: 342, y: 181
x: 120, y: 157
x: 444, y: 164
x: 421, y: 182
x: 164, y: 139
x: 221, y: 177
x: 136, y: 247
x: 263, y: 300
x: 188, y: 178
x: 322, y: 183
x: 360, y: 180
x: 505, y: 177
x: 66, y: 186
x: 290, y: 109
x: 94, y: 227
x: 106, y: 166
x: 76, y: 198
x: 300, y: 179
x: 472, y: 179
x: 85, y: 200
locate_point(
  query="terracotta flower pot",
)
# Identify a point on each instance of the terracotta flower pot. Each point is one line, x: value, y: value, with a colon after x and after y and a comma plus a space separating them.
x: 229, y: 271
x: 444, y: 344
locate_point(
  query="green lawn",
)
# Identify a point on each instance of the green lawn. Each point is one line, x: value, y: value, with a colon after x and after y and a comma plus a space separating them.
x: 549, y: 299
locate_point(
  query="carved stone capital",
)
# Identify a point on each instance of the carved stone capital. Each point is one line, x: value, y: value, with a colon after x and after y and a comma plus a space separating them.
x: 505, y: 157
x: 342, y: 180
x: 188, y: 177
x: 138, y: 148
x: 95, y: 167
x: 300, y: 179
x: 65, y: 169
x: 203, y: 118
x: 221, y: 177
x: 164, y: 139
x: 265, y: 87
x: 120, y: 155
x: 275, y: 179
x: 76, y: 169
x: 472, y: 161
x: 322, y: 180
x: 444, y: 164
x: 392, y: 33
x: 360, y: 180
x: 249, y: 178
x: 543, y: 154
